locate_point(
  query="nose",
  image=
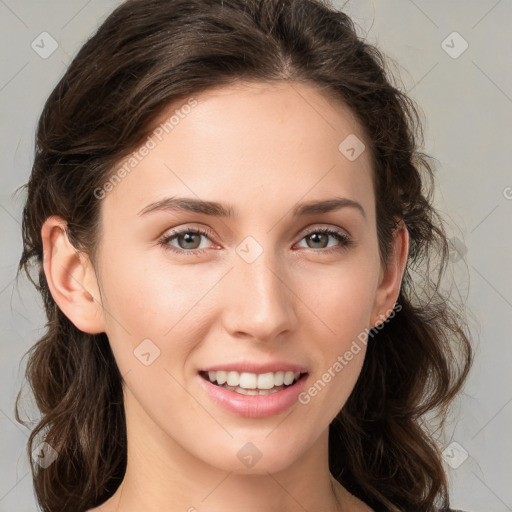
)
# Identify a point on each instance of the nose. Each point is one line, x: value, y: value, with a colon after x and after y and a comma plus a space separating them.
x: 259, y: 300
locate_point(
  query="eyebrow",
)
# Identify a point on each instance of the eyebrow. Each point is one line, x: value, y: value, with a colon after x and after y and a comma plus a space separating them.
x: 216, y: 209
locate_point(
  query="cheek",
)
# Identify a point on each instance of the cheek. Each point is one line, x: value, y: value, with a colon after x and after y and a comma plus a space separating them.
x: 341, y: 340
x: 132, y: 307
x: 141, y: 293
x: 342, y: 303
x: 342, y: 297
x: 149, y: 300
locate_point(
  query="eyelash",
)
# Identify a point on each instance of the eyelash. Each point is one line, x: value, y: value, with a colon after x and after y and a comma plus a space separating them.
x: 341, y: 237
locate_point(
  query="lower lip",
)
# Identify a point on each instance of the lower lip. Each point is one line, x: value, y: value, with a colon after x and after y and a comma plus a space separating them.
x: 254, y: 406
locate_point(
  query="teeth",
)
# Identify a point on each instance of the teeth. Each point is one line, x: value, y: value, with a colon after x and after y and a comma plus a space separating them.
x: 247, y: 380
x: 260, y: 392
x: 221, y: 377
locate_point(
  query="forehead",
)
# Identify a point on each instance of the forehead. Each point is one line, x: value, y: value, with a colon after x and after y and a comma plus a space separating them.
x: 286, y: 141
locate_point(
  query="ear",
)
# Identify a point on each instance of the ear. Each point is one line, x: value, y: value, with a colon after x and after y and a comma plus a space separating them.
x: 71, y: 278
x: 390, y: 278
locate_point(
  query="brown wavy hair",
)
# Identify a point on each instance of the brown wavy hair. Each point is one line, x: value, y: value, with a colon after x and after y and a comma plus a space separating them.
x: 150, y: 53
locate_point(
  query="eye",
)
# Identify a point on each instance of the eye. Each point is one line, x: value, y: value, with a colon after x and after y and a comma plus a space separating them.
x: 319, y: 237
x: 189, y: 238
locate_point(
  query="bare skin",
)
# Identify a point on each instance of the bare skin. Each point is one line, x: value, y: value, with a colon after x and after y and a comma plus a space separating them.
x: 261, y: 149
x: 346, y: 502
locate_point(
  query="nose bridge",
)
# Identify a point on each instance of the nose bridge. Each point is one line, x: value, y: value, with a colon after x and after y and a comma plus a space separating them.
x: 260, y: 302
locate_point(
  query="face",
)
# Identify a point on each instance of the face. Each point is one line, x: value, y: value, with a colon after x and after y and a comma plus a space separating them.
x: 185, y: 291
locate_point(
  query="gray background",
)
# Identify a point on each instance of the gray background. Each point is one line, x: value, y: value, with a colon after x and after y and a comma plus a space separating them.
x: 466, y: 99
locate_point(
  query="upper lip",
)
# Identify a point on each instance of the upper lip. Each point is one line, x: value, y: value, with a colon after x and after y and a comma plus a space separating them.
x: 252, y: 367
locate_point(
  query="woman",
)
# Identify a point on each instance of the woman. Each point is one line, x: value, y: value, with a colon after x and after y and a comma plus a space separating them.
x: 227, y: 209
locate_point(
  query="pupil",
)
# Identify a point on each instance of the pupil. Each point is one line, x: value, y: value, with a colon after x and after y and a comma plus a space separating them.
x: 315, y: 237
x: 189, y: 239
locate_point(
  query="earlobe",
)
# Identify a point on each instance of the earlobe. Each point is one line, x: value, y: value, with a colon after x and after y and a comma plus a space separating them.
x: 391, y: 277
x: 71, y: 278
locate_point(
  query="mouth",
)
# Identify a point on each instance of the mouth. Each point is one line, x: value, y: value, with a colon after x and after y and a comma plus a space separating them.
x: 253, y: 384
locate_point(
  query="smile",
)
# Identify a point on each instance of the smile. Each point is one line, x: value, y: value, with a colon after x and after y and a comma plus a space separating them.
x: 252, y: 401
x: 247, y: 383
